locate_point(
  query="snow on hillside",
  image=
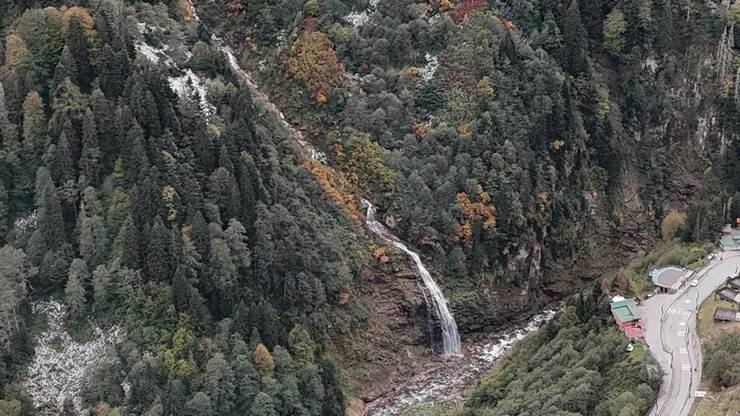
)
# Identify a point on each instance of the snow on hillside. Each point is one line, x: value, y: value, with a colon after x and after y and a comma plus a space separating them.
x: 357, y: 19
x: 187, y: 86
x: 428, y: 70
x: 60, y: 365
x: 192, y: 86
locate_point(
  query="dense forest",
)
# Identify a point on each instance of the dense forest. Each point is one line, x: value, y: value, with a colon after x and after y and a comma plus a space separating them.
x: 524, y: 148
x: 575, y: 365
x: 196, y: 231
x: 521, y: 145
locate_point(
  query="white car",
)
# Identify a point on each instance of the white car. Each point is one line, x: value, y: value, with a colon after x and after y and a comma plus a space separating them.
x: 710, y: 257
x: 694, y: 283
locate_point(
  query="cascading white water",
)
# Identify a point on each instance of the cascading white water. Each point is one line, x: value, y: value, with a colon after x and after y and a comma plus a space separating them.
x: 450, y: 335
x: 257, y: 93
x: 451, y: 381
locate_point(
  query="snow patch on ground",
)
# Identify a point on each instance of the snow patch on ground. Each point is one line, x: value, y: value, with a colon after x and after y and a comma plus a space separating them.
x: 187, y: 86
x: 155, y: 55
x: 145, y: 28
x: 191, y: 86
x: 651, y: 64
x: 60, y: 364
x: 358, y: 19
x: 428, y: 70
x: 26, y: 225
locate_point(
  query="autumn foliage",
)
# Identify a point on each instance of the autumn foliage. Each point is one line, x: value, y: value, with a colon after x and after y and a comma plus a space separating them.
x: 15, y: 51
x: 420, y: 129
x: 314, y: 62
x: 361, y: 161
x: 336, y: 188
x: 81, y: 14
x: 310, y: 25
x: 466, y: 7
x: 235, y: 8
x: 185, y: 10
x: 441, y: 5
x: 473, y: 212
x: 263, y: 361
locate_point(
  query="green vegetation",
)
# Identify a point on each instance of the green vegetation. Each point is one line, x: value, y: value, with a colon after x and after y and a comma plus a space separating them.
x: 518, y: 144
x: 709, y: 329
x: 722, y: 361
x: 719, y: 342
x: 574, y: 365
x: 547, y: 116
x: 665, y: 253
x: 198, y: 232
x: 724, y: 403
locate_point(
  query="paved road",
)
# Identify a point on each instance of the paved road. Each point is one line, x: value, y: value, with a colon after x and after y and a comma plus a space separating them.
x: 670, y: 331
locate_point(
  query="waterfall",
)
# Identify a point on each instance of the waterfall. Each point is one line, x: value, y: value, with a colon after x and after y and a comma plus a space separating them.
x: 450, y: 335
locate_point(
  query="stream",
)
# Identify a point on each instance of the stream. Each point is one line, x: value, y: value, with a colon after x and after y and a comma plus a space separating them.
x: 452, y: 379
x: 447, y: 377
x: 450, y: 334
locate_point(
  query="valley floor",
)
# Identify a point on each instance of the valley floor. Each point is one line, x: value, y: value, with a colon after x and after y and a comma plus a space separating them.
x: 670, y: 331
x: 450, y: 379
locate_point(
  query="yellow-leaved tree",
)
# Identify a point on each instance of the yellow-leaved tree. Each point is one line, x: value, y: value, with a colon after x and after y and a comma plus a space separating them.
x: 313, y: 61
x: 672, y: 222
x: 362, y: 162
x: 263, y: 361
x: 15, y: 51
x: 179, y: 358
x: 482, y: 210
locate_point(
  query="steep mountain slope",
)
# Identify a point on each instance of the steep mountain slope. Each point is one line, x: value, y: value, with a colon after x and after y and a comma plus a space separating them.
x: 575, y: 365
x: 506, y: 140
x: 523, y: 147
x: 142, y: 186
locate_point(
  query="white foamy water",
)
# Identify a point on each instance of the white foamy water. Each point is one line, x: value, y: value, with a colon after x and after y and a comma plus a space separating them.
x: 452, y: 380
x: 260, y: 96
x: 450, y: 334
x: 263, y: 99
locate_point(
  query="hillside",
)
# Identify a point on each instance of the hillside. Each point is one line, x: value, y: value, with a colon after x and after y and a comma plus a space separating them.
x: 575, y: 365
x: 512, y: 144
x: 142, y: 188
x: 185, y: 225
x: 525, y: 148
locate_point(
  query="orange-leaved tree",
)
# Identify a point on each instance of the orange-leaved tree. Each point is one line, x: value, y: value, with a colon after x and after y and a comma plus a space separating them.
x: 482, y: 210
x: 362, y: 162
x: 313, y: 61
x: 263, y: 361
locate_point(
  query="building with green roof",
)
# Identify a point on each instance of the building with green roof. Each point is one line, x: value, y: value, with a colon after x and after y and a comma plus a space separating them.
x: 625, y: 311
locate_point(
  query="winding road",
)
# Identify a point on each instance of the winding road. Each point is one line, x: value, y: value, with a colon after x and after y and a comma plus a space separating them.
x: 670, y: 332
